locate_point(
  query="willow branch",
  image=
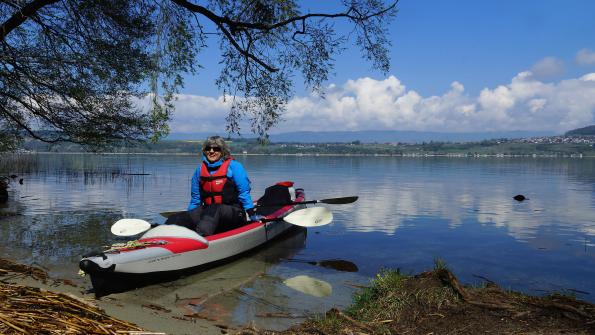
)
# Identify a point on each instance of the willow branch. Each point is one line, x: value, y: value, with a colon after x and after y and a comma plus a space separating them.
x: 22, y: 15
x: 221, y: 21
x: 266, y: 27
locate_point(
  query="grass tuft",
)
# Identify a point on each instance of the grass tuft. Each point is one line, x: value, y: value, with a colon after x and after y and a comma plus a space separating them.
x: 440, y: 264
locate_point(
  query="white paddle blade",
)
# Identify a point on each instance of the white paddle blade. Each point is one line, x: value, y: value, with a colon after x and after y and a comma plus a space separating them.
x: 308, y: 285
x: 129, y: 227
x: 310, y: 217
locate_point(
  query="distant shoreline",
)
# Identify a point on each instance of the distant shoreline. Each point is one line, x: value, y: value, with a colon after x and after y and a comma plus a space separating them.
x: 407, y: 155
x: 550, y: 147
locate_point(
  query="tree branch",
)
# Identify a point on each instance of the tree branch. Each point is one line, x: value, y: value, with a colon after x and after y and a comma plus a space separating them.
x: 22, y: 15
x: 25, y: 127
x: 266, y: 27
x: 234, y: 25
x: 244, y: 52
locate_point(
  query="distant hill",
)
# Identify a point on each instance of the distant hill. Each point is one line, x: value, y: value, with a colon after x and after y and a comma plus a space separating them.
x: 192, y: 136
x: 381, y: 136
x: 392, y: 136
x: 589, y: 130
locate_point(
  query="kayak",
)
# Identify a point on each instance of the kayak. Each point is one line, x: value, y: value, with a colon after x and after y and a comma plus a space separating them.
x: 170, y: 250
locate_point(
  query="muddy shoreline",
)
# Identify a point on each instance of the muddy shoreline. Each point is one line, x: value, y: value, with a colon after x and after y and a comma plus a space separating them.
x: 430, y: 302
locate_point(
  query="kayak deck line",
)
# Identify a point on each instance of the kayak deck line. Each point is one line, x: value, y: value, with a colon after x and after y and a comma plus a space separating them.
x: 235, y: 231
x: 176, y: 244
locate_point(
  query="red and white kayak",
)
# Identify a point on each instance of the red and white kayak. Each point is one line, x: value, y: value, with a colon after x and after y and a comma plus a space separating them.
x: 168, y: 249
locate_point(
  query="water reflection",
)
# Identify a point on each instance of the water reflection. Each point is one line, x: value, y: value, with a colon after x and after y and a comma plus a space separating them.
x: 392, y: 200
x: 409, y: 211
x: 55, y: 242
x: 309, y: 285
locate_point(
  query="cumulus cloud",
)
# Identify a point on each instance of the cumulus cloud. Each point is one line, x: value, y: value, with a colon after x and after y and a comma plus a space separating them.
x: 197, y: 113
x: 548, y: 67
x: 525, y: 103
x: 585, y: 57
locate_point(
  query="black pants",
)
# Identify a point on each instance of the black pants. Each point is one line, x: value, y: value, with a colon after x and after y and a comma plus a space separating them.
x: 210, y: 219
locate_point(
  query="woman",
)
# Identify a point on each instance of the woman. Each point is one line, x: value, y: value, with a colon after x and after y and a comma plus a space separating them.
x: 220, y: 192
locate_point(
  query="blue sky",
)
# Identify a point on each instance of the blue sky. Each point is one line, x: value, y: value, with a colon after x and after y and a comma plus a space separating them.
x: 455, y: 66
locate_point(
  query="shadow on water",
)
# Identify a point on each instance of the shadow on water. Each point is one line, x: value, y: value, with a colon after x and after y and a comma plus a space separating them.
x: 335, y: 264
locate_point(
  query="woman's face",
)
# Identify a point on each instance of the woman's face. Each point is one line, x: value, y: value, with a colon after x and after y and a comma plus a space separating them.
x: 213, y: 153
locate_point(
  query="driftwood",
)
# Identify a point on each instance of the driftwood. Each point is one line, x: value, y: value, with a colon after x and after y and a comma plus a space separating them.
x: 7, y: 266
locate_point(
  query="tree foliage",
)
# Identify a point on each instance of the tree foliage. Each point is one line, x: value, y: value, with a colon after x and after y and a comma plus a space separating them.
x: 78, y: 70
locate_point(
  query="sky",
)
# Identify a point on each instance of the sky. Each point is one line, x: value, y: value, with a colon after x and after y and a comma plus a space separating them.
x: 456, y: 66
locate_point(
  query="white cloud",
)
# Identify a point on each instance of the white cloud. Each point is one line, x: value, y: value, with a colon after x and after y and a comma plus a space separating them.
x: 585, y: 57
x: 548, y: 67
x: 199, y: 114
x: 525, y: 103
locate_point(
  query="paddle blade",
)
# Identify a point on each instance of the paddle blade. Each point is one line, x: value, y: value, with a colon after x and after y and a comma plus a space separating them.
x: 310, y: 217
x: 129, y: 227
x: 339, y: 201
x: 308, y: 285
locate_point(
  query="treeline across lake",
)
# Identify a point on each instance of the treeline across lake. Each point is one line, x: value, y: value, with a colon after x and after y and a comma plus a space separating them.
x: 555, y: 147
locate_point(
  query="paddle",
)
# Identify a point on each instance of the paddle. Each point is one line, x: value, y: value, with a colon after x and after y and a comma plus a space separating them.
x: 309, y: 285
x: 307, y: 217
x: 330, y: 201
x: 335, y: 264
x: 129, y: 227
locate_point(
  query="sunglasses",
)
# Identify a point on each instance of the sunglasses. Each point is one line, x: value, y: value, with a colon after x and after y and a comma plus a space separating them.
x: 215, y: 149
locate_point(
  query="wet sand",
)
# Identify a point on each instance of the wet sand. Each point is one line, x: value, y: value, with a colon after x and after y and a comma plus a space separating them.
x: 137, y: 307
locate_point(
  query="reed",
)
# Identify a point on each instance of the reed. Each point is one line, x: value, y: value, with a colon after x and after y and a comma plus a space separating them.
x: 29, y: 310
x: 18, y: 163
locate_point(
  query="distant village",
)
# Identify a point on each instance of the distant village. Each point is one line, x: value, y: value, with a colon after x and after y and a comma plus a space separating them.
x: 569, y: 145
x: 575, y: 139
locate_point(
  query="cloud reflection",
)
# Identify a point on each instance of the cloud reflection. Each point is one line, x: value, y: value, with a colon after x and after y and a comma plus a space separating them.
x: 392, y: 207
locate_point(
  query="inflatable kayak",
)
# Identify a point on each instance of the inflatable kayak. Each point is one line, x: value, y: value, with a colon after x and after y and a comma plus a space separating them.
x: 170, y: 249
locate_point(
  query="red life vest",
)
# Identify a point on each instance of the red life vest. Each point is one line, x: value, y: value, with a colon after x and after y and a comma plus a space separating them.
x: 216, y: 188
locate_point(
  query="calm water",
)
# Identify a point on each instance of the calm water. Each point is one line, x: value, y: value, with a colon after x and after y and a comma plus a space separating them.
x: 410, y: 212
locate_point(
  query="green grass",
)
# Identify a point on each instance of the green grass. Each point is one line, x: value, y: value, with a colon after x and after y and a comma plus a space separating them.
x: 388, y: 297
x: 391, y: 297
x: 440, y: 264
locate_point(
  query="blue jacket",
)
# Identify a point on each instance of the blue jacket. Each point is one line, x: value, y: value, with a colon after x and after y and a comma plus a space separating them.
x: 235, y: 172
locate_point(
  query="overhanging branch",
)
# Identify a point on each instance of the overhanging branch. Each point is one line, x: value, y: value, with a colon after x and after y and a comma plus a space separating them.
x: 22, y: 15
x: 234, y: 25
x: 266, y: 27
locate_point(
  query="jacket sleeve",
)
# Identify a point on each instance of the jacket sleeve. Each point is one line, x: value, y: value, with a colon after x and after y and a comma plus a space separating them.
x: 195, y: 190
x: 240, y: 178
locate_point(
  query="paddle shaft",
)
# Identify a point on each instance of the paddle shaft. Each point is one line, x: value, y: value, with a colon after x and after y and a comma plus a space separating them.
x: 305, y: 217
x: 330, y: 201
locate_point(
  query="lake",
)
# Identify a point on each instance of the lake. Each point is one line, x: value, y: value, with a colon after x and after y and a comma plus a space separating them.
x: 410, y: 212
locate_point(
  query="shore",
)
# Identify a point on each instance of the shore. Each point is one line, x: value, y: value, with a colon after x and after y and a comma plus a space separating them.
x: 29, y: 289
x: 432, y: 302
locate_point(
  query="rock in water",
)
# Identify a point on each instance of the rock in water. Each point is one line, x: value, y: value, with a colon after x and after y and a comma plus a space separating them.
x: 520, y: 197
